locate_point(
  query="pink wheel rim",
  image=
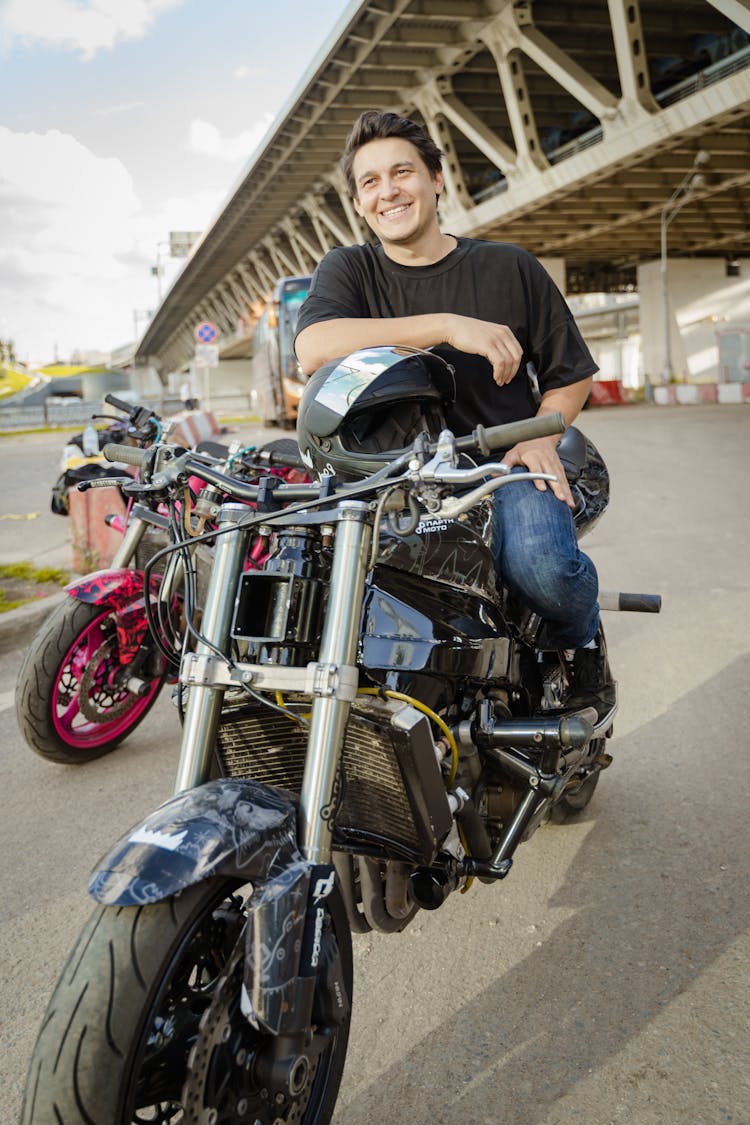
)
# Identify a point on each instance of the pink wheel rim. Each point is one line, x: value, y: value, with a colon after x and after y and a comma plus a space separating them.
x: 72, y: 726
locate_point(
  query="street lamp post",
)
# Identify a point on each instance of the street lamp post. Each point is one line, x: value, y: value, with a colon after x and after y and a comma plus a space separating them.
x: 158, y: 269
x: 690, y: 182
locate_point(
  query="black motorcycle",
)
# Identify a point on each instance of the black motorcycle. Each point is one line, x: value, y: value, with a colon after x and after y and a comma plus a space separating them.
x: 369, y: 726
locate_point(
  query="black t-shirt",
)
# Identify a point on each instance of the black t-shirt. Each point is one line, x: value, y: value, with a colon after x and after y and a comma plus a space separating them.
x: 493, y: 281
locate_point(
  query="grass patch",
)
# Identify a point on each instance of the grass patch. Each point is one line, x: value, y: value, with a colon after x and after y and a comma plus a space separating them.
x: 22, y: 582
x: 12, y: 380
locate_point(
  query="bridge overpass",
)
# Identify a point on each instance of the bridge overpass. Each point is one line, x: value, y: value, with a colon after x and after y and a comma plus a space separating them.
x: 566, y: 127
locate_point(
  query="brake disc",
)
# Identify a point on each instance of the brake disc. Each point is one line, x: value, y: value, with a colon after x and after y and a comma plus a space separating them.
x: 221, y: 1084
x: 90, y: 690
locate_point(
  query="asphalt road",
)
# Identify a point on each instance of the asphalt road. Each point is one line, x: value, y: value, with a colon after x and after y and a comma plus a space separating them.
x: 605, y: 981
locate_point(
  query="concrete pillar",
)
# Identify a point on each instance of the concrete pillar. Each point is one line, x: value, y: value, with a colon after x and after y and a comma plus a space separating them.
x: 702, y: 300
x: 555, y: 267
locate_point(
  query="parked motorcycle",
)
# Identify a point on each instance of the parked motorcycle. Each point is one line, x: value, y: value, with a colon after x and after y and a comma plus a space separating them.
x: 367, y: 730
x: 82, y: 458
x: 93, y: 670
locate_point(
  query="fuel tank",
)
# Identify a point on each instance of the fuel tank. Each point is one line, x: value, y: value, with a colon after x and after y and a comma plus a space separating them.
x: 432, y: 605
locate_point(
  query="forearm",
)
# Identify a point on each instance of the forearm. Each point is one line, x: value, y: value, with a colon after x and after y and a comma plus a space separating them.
x: 319, y: 343
x: 568, y: 401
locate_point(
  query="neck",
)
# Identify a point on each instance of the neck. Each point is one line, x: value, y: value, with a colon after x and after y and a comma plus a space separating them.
x: 425, y: 251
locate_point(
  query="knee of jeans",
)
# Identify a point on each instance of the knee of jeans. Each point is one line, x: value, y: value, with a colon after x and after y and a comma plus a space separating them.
x: 552, y: 584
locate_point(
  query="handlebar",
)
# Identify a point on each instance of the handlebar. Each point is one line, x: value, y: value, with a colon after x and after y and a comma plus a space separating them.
x: 482, y: 440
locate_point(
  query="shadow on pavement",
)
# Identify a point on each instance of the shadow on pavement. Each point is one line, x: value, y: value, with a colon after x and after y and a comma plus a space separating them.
x: 659, y: 889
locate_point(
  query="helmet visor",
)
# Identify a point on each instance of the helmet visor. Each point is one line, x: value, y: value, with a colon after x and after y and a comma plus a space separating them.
x: 357, y: 374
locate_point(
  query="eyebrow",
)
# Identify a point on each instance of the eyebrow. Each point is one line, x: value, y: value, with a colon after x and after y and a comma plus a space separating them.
x: 397, y: 164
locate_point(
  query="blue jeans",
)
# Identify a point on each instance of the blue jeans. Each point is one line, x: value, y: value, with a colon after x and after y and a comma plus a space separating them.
x: 536, y: 555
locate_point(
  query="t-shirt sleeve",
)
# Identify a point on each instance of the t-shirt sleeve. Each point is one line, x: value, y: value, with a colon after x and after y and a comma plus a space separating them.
x: 556, y: 345
x: 334, y: 292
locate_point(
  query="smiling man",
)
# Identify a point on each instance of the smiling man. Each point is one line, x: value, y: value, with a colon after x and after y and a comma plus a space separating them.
x: 489, y: 309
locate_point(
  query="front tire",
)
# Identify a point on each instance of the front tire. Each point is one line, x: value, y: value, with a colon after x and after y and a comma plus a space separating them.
x: 115, y: 1041
x: 67, y: 706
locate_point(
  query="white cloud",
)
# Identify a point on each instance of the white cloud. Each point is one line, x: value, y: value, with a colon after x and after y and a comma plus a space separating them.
x: 205, y: 139
x: 76, y: 246
x: 87, y: 26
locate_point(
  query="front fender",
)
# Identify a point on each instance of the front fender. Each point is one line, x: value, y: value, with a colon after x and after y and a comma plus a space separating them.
x: 111, y: 587
x: 231, y: 826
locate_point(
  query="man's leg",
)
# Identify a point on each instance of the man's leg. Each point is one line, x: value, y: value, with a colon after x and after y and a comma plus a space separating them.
x: 537, y: 556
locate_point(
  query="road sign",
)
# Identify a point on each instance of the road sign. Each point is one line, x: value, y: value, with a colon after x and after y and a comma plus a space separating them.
x: 206, y: 355
x: 206, y: 332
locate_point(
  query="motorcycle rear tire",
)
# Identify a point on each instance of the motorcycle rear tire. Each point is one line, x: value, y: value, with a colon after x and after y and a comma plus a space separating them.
x: 48, y: 693
x: 575, y: 799
x: 116, y: 1037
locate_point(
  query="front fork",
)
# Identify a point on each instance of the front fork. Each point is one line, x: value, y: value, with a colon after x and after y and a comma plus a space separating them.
x: 338, y: 649
x: 281, y: 997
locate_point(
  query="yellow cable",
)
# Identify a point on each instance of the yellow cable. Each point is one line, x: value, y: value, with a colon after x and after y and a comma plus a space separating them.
x: 416, y: 703
x: 430, y: 715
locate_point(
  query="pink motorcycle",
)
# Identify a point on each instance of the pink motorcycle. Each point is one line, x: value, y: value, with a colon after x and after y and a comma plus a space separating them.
x: 94, y: 670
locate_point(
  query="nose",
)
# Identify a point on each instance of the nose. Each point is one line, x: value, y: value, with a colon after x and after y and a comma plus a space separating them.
x: 388, y: 187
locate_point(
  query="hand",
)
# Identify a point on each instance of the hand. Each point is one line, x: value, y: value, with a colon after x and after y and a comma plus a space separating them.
x: 495, y: 342
x: 540, y: 456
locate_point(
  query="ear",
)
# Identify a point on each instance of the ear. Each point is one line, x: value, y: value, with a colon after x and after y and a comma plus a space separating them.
x: 439, y: 182
x: 358, y: 207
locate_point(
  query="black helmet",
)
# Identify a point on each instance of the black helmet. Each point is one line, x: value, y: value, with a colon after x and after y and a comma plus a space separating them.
x: 357, y: 414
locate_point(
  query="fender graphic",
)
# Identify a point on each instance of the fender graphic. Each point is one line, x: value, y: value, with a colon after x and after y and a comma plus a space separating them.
x: 111, y: 587
x: 231, y: 826
x: 123, y: 590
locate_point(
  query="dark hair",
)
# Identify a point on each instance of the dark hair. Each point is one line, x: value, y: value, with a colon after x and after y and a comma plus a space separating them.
x: 372, y: 125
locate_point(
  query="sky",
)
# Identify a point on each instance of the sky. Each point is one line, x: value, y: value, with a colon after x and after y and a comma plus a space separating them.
x: 121, y: 121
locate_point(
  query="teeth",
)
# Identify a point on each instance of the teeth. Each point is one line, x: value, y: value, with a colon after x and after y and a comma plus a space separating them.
x: 396, y: 210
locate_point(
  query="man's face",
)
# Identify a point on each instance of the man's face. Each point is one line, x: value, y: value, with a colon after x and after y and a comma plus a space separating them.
x: 395, y: 191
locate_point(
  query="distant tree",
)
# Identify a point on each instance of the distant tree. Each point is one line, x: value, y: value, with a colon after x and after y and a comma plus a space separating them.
x: 7, y: 351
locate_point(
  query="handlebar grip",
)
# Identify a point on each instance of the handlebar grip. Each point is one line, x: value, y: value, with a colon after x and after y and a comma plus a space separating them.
x: 127, y: 454
x: 127, y: 407
x: 629, y: 603
x: 286, y: 461
x: 503, y: 437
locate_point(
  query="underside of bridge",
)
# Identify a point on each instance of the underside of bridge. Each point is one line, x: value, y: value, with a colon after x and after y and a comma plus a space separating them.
x: 566, y: 128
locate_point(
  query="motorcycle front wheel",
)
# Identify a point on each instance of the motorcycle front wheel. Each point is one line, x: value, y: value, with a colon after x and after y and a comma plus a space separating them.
x: 145, y: 1023
x: 68, y: 706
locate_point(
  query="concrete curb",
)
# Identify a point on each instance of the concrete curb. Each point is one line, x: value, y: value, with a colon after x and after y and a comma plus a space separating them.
x: 18, y: 626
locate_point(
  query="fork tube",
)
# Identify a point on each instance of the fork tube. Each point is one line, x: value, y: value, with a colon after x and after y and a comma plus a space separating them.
x: 204, y: 703
x: 338, y: 646
x: 131, y: 539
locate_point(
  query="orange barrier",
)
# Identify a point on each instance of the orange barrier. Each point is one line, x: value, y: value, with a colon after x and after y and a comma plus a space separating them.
x: 606, y: 392
x: 192, y: 426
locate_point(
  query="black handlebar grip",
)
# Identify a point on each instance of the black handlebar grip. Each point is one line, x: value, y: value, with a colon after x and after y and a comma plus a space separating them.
x: 503, y: 437
x: 629, y: 603
x: 640, y: 603
x: 127, y: 454
x: 127, y: 407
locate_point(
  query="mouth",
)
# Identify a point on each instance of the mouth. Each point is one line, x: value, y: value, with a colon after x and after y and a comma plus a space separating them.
x: 395, y: 212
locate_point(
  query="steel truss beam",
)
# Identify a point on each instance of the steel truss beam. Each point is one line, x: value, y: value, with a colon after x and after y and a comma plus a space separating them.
x: 494, y: 81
